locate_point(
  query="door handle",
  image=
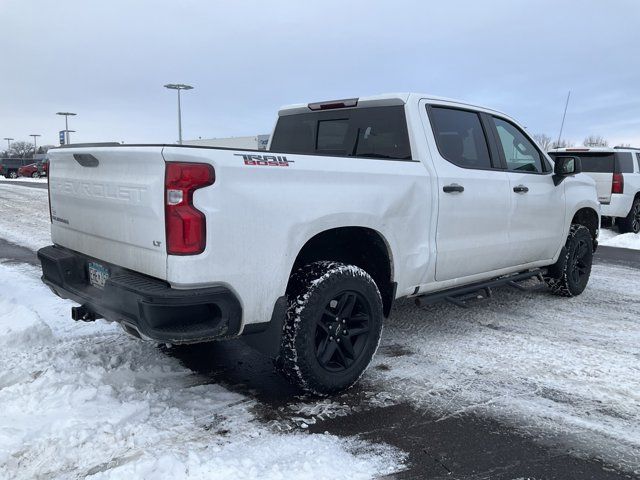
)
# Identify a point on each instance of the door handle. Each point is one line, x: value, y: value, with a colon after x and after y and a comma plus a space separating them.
x: 454, y: 187
x: 520, y: 189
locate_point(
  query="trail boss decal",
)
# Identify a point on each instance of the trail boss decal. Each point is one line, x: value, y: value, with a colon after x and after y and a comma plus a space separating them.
x: 265, y: 160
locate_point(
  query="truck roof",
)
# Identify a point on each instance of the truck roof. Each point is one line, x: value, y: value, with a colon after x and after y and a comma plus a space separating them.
x: 595, y: 149
x: 385, y: 99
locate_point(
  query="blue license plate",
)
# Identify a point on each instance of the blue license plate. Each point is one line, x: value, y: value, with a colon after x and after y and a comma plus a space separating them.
x: 98, y: 274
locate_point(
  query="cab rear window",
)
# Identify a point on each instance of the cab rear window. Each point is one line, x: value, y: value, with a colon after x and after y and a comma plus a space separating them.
x: 370, y: 132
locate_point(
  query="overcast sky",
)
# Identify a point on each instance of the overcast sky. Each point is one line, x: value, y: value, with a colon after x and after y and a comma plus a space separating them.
x: 108, y: 60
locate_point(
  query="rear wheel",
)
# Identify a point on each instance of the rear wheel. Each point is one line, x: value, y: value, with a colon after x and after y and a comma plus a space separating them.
x: 332, y: 327
x: 13, y: 174
x: 570, y: 274
x: 631, y: 223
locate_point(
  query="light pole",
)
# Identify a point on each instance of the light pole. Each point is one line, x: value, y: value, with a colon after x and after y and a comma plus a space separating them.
x: 8, y: 144
x: 67, y: 140
x: 35, y: 146
x: 178, y: 87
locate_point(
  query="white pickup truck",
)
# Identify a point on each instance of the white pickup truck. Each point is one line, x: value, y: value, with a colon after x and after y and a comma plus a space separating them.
x: 303, y: 249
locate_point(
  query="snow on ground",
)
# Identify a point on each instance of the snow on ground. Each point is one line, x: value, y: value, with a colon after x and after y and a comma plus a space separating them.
x: 611, y: 238
x: 24, y: 215
x: 27, y: 179
x: 566, y: 370
x: 87, y: 401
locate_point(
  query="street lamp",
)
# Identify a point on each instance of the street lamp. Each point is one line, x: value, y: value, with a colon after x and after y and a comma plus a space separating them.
x: 35, y: 136
x: 8, y: 144
x: 66, y: 125
x: 178, y: 87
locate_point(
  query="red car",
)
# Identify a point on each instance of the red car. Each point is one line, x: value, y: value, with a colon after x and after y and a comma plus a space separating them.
x: 34, y: 170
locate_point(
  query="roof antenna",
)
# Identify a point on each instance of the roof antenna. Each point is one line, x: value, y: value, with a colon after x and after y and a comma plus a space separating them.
x: 563, y: 117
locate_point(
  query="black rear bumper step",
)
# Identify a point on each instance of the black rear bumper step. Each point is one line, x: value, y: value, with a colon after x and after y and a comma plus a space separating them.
x: 457, y: 295
x: 141, y: 303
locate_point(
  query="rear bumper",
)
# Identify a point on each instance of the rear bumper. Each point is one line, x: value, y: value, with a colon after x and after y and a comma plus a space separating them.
x: 619, y: 206
x: 142, y: 304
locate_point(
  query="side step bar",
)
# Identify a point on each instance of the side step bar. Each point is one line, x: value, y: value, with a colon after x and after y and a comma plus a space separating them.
x: 457, y: 295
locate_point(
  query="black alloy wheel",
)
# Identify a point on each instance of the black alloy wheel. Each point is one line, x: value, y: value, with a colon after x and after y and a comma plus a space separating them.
x: 342, y: 331
x: 580, y: 264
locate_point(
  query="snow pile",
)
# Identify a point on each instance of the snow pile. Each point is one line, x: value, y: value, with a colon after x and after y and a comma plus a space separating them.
x: 96, y: 404
x: 20, y: 326
x: 25, y: 215
x: 625, y: 240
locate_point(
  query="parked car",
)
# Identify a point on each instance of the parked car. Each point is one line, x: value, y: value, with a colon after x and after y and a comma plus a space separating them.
x: 31, y: 170
x: 9, y: 166
x: 616, y: 172
x: 303, y: 249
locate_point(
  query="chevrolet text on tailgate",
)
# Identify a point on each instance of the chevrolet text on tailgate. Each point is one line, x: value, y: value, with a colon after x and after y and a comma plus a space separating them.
x: 302, y: 249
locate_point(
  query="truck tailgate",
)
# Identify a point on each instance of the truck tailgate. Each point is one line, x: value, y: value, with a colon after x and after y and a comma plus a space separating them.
x: 108, y: 203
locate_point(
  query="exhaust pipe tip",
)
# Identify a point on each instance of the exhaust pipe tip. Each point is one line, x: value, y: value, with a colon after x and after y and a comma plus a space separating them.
x: 82, y: 314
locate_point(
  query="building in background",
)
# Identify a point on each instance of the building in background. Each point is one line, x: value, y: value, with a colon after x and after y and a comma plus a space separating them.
x: 256, y: 142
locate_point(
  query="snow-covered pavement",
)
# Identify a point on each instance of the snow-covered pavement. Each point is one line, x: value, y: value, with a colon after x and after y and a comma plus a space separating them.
x: 86, y: 400
x: 24, y: 215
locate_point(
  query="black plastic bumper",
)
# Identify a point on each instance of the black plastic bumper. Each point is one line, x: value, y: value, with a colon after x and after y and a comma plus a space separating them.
x: 144, y: 305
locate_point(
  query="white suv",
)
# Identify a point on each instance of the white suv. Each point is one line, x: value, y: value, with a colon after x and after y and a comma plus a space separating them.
x: 617, y: 175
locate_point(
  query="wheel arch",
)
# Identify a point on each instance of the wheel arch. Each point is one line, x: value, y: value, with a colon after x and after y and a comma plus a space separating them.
x: 361, y: 246
x: 589, y: 218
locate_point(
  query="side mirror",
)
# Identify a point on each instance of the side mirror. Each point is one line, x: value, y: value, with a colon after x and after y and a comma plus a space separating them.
x: 565, y: 167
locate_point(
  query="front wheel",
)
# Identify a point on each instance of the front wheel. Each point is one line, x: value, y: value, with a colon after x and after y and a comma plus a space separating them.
x: 13, y: 174
x: 631, y: 223
x: 332, y: 327
x: 35, y: 175
x: 569, y: 276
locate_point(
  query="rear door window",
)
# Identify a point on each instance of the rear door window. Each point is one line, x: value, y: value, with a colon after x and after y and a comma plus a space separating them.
x: 520, y: 153
x: 638, y: 161
x: 369, y: 132
x: 460, y: 137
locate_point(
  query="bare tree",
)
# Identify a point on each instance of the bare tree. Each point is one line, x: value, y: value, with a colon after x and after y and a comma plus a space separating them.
x: 21, y: 149
x: 562, y: 144
x: 595, y: 141
x: 44, y: 148
x: 543, y: 140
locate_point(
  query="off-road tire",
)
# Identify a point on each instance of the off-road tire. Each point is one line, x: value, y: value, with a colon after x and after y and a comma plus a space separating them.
x: 316, y: 293
x: 631, y: 223
x: 569, y: 276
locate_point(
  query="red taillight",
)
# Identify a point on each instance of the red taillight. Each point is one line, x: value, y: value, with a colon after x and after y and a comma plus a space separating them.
x: 185, y: 224
x: 617, y: 184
